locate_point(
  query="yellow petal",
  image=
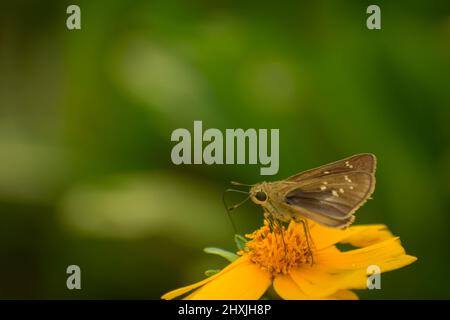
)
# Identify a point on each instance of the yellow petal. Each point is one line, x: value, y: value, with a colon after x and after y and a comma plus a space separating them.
x: 358, y: 236
x: 363, y: 236
x: 287, y: 289
x: 335, y: 270
x: 246, y: 281
x: 180, y: 291
x: 344, y: 295
x: 388, y: 255
x: 318, y: 282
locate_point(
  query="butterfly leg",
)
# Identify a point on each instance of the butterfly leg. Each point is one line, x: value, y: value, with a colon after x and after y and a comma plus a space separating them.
x: 309, y: 241
x: 269, y: 217
x: 276, y: 222
x: 280, y: 227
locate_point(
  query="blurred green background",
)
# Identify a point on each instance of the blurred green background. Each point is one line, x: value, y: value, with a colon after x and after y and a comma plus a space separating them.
x: 86, y: 116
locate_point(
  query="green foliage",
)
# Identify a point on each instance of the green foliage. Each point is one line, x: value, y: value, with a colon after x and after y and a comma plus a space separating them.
x: 240, y: 241
x: 230, y: 256
x: 86, y: 118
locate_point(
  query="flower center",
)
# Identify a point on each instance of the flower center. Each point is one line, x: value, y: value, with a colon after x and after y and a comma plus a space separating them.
x: 278, y: 250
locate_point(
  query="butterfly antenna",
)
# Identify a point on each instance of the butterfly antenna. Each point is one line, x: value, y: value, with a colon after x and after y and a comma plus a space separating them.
x: 234, y: 183
x: 230, y: 209
x: 236, y: 190
x: 228, y: 212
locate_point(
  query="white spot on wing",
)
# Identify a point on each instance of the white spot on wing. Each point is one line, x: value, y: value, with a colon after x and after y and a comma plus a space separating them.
x: 341, y: 190
x: 334, y: 193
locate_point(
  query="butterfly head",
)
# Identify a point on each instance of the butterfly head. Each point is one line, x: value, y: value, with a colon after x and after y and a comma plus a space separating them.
x: 258, y: 193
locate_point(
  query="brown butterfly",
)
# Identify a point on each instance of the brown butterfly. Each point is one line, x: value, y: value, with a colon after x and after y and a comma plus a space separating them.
x: 328, y: 195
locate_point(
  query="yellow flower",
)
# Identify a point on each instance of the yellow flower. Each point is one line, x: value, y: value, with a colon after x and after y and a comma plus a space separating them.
x: 297, y: 270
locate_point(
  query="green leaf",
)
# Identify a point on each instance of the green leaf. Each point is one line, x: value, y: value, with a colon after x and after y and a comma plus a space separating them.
x: 241, y: 242
x: 230, y: 256
x: 211, y: 272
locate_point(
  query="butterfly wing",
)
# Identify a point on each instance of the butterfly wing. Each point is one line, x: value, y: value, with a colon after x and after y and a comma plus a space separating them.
x: 364, y: 162
x: 331, y: 194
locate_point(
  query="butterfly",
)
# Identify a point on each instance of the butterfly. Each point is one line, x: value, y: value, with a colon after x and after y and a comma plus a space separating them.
x: 328, y: 195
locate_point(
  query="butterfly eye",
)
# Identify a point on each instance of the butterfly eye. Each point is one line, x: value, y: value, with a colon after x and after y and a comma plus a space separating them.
x: 261, y: 196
